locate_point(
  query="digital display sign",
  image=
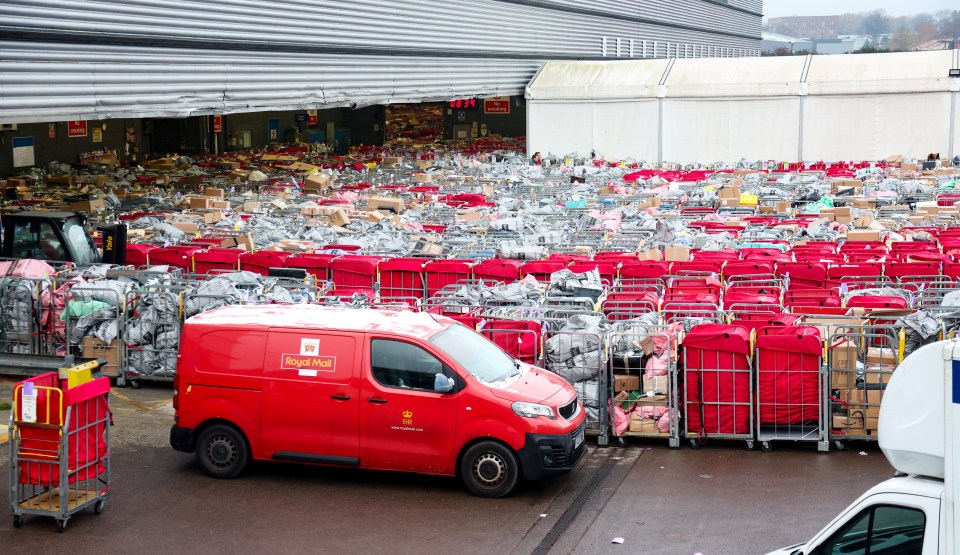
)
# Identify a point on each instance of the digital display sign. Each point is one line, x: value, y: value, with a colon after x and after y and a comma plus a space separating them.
x: 464, y: 104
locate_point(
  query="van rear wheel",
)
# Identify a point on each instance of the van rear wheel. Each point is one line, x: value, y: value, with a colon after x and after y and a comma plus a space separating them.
x: 490, y: 469
x: 222, y: 451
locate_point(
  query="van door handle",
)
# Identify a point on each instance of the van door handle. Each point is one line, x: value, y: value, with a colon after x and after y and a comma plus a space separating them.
x: 378, y: 400
x: 339, y: 397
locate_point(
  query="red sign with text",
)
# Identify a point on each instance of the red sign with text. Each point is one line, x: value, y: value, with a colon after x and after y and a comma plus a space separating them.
x: 496, y: 105
x: 77, y: 128
x: 217, y: 124
x: 311, y: 117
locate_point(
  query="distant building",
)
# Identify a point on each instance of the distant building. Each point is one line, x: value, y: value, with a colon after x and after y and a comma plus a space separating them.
x: 844, y: 44
x: 771, y: 42
x: 936, y: 44
x: 813, y: 26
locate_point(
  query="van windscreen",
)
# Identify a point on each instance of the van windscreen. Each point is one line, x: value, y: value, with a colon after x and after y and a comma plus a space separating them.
x: 477, y: 355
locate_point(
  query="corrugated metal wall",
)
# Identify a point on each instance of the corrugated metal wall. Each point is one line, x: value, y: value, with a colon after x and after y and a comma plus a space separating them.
x: 62, y: 59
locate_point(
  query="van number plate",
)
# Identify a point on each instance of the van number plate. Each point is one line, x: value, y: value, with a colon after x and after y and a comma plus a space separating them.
x: 578, y: 439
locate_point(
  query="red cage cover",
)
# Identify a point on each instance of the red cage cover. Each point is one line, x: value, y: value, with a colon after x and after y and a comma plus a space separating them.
x: 788, y: 374
x: 519, y: 338
x: 717, y: 376
x: 86, y: 444
x: 876, y: 301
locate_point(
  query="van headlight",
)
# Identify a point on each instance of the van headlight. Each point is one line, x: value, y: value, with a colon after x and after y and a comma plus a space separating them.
x: 532, y: 410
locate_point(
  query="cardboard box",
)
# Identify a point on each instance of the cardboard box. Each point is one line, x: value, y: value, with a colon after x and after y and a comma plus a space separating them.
x: 211, y: 216
x: 843, y: 356
x: 394, y: 205
x: 472, y: 215
x: 877, y: 376
x: 641, y: 425
x: 61, y: 180
x: 625, y: 382
x: 729, y: 192
x: 652, y: 400
x: 864, y: 410
x: 863, y: 235
x: 94, y: 205
x: 317, y: 182
x: 657, y: 384
x: 110, y: 352
x: 423, y: 178
x: 676, y: 254
x: 861, y: 396
x: 842, y: 422
x: 650, y: 254
x: 190, y: 228
x: 213, y: 193
x: 881, y: 356
x: 245, y: 242
x: 338, y: 217
x: 392, y: 160
x: 251, y: 206
x: 220, y: 204
x: 843, y: 379
x: 200, y: 203
x: 374, y: 216
x: 161, y: 164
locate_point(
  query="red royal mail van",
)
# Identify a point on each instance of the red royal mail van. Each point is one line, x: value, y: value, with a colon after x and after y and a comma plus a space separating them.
x: 368, y: 388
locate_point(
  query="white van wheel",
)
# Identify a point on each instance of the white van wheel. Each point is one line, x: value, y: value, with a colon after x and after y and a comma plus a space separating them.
x: 222, y: 451
x: 490, y: 469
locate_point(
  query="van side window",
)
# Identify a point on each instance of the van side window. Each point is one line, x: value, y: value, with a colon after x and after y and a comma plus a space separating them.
x: 403, y: 365
x: 880, y: 530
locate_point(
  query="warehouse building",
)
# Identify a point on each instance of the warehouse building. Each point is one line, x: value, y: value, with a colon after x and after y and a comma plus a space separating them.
x: 145, y: 75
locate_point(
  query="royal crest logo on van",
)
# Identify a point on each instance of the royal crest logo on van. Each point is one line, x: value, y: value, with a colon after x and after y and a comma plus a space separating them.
x: 309, y: 347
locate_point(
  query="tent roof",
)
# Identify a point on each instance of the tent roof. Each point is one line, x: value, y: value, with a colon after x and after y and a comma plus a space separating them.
x: 592, y: 80
x: 709, y: 77
x: 847, y: 74
x: 893, y: 72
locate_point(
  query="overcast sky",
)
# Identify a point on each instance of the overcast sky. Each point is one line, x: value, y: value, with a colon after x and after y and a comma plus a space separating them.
x: 778, y: 8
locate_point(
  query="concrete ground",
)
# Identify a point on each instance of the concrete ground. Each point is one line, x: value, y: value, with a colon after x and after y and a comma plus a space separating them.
x: 718, y: 499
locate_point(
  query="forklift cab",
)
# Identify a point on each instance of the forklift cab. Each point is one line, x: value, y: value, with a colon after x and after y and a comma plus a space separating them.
x: 49, y: 236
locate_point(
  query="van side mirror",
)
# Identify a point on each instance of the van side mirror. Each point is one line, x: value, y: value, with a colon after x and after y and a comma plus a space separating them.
x: 443, y: 384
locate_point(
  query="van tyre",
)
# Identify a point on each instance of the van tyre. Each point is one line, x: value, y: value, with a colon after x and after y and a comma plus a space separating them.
x: 490, y: 469
x: 222, y: 451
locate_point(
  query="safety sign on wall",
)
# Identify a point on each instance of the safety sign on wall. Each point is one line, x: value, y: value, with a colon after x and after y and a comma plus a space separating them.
x: 77, y: 128
x: 496, y: 105
x: 217, y: 124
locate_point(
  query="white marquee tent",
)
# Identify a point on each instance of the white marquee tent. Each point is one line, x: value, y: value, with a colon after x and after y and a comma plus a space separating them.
x: 857, y: 106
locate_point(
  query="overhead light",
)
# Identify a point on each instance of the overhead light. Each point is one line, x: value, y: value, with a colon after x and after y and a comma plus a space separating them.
x: 954, y: 73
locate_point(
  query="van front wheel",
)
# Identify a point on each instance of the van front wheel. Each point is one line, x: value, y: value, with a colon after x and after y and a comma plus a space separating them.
x: 490, y: 469
x: 222, y: 451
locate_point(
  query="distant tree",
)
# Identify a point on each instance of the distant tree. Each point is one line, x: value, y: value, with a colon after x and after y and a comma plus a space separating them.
x: 950, y: 24
x: 925, y: 27
x: 875, y: 23
x: 902, y: 41
x: 869, y: 49
x: 850, y: 24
